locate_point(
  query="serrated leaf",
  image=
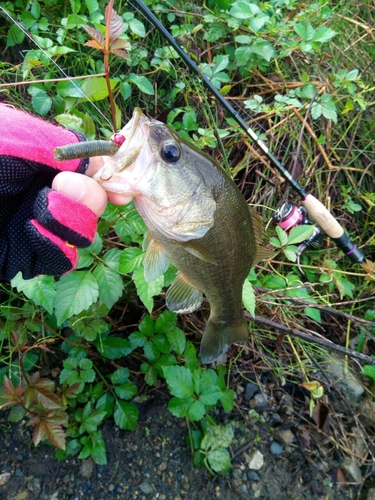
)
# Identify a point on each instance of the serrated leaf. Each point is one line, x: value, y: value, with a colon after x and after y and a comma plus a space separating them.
x: 244, y: 10
x: 313, y: 313
x: 40, y: 289
x: 126, y: 390
x: 75, y: 292
x: 131, y: 258
x: 126, y: 415
x: 179, y: 380
x: 179, y: 407
x: 323, y: 34
x: 177, y: 340
x: 96, y: 88
x: 196, y: 411
x: 227, y: 399
x: 41, y: 102
x: 219, y: 461
x: 300, y: 233
x: 283, y: 237
x: 142, y: 83
x: 110, y: 285
x: 290, y: 253
x: 264, y: 49
x: 137, y: 27
x: 248, y: 297
x: 147, y: 290
x: 166, y: 322
x: 120, y: 376
x: 113, y: 347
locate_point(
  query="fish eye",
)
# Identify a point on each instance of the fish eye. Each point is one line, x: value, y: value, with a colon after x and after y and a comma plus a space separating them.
x: 170, y: 152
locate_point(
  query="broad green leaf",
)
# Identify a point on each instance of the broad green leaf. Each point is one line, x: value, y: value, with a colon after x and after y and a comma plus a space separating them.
x: 91, y: 422
x: 264, y: 49
x: 110, y: 285
x: 147, y: 290
x: 75, y: 292
x: 142, y: 83
x: 166, y: 321
x: 323, y: 34
x: 137, y: 27
x: 126, y: 415
x: 180, y: 407
x: 369, y: 370
x: 126, y: 390
x: 227, y: 399
x: 283, y: 237
x: 179, y: 380
x: 177, y: 340
x: 290, y: 253
x: 98, y: 453
x: 244, y: 10
x: 248, y: 297
x: 219, y: 461
x: 41, y: 102
x: 106, y: 403
x: 96, y: 88
x: 131, y: 258
x: 313, y: 313
x: 40, y: 289
x: 113, y: 347
x: 300, y: 233
x: 196, y: 411
x: 120, y: 376
x: 15, y: 36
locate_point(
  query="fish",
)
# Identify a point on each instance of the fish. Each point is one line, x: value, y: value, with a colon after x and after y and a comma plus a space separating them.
x: 196, y: 218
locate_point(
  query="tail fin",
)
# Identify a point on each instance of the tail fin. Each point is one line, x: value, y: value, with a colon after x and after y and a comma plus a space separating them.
x: 218, y: 336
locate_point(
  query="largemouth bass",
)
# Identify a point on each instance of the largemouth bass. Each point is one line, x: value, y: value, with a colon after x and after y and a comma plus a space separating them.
x: 196, y: 218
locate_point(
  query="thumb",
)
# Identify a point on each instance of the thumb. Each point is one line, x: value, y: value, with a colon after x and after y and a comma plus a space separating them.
x: 83, y: 189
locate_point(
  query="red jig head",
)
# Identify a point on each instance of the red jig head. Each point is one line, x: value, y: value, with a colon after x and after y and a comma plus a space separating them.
x: 118, y: 139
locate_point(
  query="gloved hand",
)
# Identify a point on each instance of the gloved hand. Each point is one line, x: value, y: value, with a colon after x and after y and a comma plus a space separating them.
x: 40, y: 228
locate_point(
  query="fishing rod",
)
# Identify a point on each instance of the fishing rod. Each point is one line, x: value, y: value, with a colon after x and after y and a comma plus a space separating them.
x: 314, y: 207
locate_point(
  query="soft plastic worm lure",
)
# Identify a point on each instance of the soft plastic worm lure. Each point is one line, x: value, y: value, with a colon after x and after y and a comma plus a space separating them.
x: 86, y: 150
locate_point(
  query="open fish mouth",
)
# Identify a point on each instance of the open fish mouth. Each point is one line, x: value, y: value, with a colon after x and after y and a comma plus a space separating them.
x: 135, y: 133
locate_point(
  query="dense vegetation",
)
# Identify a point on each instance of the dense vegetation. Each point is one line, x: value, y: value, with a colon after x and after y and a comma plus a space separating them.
x: 300, y: 73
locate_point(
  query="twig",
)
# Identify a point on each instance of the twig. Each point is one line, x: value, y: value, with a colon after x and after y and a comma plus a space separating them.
x: 311, y: 338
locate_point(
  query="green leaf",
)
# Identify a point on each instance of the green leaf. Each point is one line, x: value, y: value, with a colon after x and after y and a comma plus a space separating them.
x: 142, y: 83
x: 264, y: 49
x: 126, y: 390
x: 131, y: 258
x: 369, y: 370
x: 147, y: 290
x: 110, y: 285
x: 227, y: 399
x: 283, y: 237
x: 166, y: 321
x: 313, y: 313
x: 75, y: 292
x: 41, y: 102
x: 328, y: 108
x: 323, y: 35
x: 177, y: 340
x: 96, y: 88
x: 179, y: 380
x: 248, y: 297
x: 120, y: 376
x: 180, y: 407
x: 137, y: 27
x: 290, y: 253
x: 300, y: 233
x: 196, y: 411
x: 40, y: 289
x: 113, y: 347
x: 244, y: 10
x: 126, y: 415
x: 219, y: 461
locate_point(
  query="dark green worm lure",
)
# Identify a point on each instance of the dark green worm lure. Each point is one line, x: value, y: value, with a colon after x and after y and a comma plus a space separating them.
x: 86, y: 150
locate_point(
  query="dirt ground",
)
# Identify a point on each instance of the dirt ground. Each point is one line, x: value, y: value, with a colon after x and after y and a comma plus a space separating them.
x: 279, y: 454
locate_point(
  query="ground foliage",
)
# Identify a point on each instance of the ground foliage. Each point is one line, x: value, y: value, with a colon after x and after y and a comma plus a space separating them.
x: 300, y: 72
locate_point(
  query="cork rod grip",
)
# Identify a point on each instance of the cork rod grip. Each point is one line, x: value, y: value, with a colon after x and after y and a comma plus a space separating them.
x: 322, y: 217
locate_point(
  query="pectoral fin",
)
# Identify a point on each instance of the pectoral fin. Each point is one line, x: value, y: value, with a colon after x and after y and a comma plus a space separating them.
x: 156, y: 262
x: 182, y: 297
x: 198, y: 250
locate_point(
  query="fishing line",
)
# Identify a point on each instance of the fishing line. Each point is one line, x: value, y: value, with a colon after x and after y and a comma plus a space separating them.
x: 314, y: 207
x: 19, y: 25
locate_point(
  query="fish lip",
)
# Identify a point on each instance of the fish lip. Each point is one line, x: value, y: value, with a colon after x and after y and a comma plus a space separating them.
x: 125, y: 156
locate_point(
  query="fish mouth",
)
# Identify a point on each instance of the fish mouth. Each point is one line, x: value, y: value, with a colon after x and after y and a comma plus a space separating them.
x: 135, y: 133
